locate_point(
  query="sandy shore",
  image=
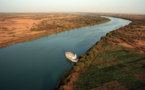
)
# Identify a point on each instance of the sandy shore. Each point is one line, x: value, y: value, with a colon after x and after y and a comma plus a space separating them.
x: 15, y: 28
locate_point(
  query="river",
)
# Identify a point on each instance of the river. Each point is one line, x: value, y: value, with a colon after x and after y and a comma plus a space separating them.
x: 39, y: 64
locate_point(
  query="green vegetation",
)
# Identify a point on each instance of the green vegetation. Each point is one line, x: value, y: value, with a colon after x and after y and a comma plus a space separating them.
x: 116, y: 62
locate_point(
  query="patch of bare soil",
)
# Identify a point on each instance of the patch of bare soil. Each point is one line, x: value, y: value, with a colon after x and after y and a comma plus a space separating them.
x: 133, y: 37
x: 126, y: 45
x: 14, y: 27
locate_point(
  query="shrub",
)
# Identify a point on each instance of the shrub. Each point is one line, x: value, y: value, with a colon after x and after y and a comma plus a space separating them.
x: 87, y: 63
x: 81, y: 65
x: 76, y: 68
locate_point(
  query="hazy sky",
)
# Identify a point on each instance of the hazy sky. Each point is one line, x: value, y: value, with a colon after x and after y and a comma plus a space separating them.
x: 116, y: 6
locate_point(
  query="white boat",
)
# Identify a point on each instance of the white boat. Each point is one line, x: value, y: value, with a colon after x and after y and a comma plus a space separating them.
x: 72, y: 57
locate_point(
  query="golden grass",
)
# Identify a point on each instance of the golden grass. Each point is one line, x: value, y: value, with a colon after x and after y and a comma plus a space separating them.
x: 15, y: 28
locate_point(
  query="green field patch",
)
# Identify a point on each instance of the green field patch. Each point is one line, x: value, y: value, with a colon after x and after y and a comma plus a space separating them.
x: 123, y: 69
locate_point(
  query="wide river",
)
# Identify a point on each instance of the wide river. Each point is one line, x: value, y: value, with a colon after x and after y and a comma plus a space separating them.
x: 39, y: 64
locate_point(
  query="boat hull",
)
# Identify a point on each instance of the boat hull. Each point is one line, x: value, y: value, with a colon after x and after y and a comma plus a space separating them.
x: 71, y: 58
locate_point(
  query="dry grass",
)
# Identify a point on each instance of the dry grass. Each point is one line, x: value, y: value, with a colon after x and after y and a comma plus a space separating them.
x: 117, y: 56
x: 16, y: 28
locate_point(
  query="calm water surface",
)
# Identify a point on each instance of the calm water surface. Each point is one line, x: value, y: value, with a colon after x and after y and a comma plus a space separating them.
x: 39, y: 64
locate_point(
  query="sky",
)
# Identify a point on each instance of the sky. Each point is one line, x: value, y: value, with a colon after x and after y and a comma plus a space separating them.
x: 99, y: 6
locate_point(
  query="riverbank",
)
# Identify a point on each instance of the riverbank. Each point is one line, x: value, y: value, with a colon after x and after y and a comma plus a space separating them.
x: 17, y: 28
x: 117, y: 61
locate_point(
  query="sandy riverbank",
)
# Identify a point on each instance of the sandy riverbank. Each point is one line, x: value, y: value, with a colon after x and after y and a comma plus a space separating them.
x: 15, y: 28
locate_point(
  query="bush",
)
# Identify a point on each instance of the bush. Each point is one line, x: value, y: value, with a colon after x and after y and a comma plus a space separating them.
x: 81, y: 65
x: 87, y: 63
x: 76, y: 68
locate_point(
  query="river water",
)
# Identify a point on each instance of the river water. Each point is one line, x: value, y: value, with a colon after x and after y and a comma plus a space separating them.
x: 39, y: 64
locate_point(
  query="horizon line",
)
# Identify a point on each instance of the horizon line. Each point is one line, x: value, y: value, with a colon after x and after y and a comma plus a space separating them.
x: 73, y: 12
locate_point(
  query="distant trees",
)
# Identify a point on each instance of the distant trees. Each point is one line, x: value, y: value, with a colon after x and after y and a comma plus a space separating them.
x: 66, y: 24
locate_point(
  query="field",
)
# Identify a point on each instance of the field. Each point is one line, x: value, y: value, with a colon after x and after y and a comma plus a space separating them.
x: 116, y: 62
x: 21, y: 27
